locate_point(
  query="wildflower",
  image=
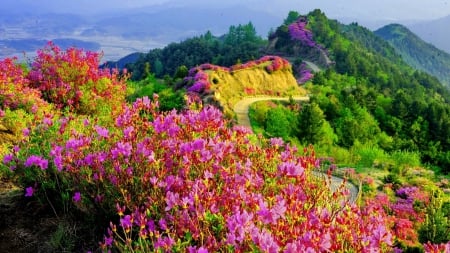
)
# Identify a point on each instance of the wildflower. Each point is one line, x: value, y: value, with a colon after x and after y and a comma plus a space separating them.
x: 48, y: 120
x: 76, y: 197
x: 127, y: 131
x: 26, y: 132
x: 126, y: 222
x: 8, y: 158
x: 277, y: 142
x: 36, y: 160
x: 202, y: 250
x: 29, y: 191
x: 122, y: 149
x: 102, y: 132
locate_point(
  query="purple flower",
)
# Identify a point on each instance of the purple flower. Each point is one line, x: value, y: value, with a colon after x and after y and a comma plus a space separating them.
x: 122, y: 149
x: 76, y: 197
x: 126, y: 222
x: 8, y: 158
x: 277, y: 142
x: 29, y: 191
x: 48, y: 121
x: 26, y: 132
x: 127, y: 131
x: 36, y: 160
x: 102, y: 132
x: 291, y: 169
x: 202, y: 250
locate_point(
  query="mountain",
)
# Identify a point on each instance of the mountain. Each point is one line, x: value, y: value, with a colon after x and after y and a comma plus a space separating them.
x: 416, y: 52
x: 434, y: 32
x: 133, y: 30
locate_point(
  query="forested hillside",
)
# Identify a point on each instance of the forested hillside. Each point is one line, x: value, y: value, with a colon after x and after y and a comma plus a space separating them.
x: 416, y: 52
x: 240, y: 44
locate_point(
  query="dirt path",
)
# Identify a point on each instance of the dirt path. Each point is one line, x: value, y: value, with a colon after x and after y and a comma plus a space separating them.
x: 313, y: 66
x: 241, y: 109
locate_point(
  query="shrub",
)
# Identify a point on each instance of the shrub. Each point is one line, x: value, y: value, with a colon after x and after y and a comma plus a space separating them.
x: 186, y: 182
x: 71, y: 79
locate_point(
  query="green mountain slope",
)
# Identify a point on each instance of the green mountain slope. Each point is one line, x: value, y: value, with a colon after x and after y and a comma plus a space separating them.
x: 416, y: 52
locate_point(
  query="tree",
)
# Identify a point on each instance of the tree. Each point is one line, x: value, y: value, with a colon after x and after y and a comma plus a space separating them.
x: 291, y: 18
x: 277, y: 123
x: 311, y: 121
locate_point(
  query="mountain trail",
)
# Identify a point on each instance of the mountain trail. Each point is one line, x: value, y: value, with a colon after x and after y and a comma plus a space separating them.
x: 241, y: 109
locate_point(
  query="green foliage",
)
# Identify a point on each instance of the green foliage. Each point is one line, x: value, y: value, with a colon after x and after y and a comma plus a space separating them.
x: 369, y: 154
x: 240, y: 43
x: 279, y: 122
x: 291, y: 17
x: 64, y: 238
x: 436, y: 228
x: 311, y: 124
x: 168, y: 98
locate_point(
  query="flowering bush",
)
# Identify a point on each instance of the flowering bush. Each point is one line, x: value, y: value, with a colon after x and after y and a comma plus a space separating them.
x: 15, y: 92
x: 299, y: 32
x: 304, y: 74
x: 71, y: 79
x: 186, y: 182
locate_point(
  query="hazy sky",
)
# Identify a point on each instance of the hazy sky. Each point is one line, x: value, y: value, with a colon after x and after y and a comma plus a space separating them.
x: 363, y: 11
x: 375, y: 9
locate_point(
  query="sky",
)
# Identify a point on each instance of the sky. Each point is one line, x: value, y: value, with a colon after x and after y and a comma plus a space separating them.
x: 357, y: 9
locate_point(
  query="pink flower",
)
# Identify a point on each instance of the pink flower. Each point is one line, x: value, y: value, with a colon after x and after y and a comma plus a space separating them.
x: 37, y: 161
x: 26, y: 132
x: 102, y: 132
x: 8, y: 158
x: 76, y: 197
x: 126, y: 222
x: 29, y: 191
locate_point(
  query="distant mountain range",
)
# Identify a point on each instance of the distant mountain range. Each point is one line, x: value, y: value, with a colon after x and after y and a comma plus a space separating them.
x: 435, y: 32
x: 119, y: 34
x: 416, y: 52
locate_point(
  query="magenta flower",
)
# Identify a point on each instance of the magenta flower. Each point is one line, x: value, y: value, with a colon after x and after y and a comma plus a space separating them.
x: 122, y: 148
x: 102, y: 132
x: 37, y: 161
x: 26, y: 132
x: 29, y: 191
x: 202, y: 250
x: 8, y: 158
x: 76, y: 197
x: 126, y: 222
x: 2, y: 113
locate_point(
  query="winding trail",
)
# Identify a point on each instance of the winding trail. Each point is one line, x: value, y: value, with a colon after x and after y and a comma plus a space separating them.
x: 241, y: 109
x: 313, y: 66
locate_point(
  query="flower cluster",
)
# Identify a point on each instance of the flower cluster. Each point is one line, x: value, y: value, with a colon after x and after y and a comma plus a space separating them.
x: 299, y: 32
x: 304, y: 74
x: 15, y: 92
x: 72, y: 79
